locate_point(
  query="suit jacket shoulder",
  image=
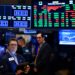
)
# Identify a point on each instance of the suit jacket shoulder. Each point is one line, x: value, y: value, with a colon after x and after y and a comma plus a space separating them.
x: 44, y: 55
x: 9, y: 64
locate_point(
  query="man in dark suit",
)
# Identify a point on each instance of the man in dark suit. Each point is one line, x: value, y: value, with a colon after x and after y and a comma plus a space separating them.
x: 11, y: 60
x: 42, y: 60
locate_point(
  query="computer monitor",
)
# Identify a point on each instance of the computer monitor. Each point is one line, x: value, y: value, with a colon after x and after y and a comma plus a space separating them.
x: 8, y: 35
x: 2, y: 51
x: 53, y: 14
x: 16, y: 16
x: 67, y: 37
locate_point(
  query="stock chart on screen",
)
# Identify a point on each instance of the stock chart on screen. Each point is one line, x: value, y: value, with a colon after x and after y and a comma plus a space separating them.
x: 54, y: 14
x: 15, y: 16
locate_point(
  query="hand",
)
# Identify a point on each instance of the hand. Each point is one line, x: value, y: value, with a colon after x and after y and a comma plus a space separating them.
x: 35, y: 69
x: 19, y: 72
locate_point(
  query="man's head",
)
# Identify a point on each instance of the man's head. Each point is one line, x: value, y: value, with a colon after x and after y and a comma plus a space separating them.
x: 40, y: 38
x: 21, y: 41
x: 12, y: 45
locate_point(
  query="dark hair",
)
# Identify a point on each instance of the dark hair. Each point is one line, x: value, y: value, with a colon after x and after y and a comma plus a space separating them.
x: 42, y: 34
x: 12, y: 39
x: 21, y: 38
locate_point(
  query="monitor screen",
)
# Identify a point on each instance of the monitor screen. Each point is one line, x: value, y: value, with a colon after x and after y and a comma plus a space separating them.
x: 67, y: 37
x: 54, y: 14
x: 8, y: 35
x: 16, y: 16
x: 2, y: 50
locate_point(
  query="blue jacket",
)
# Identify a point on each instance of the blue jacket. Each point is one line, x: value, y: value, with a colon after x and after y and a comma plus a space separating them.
x: 9, y: 65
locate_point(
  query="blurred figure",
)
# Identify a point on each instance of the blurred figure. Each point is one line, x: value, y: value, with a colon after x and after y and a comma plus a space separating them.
x: 63, y: 72
x: 11, y: 59
x: 42, y: 60
x: 24, y: 50
x: 24, y: 69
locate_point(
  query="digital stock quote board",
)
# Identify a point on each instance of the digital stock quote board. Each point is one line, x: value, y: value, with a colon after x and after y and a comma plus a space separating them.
x: 17, y: 16
x: 54, y: 14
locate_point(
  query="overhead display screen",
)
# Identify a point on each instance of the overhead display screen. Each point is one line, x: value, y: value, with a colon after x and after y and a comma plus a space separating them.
x: 54, y: 14
x: 67, y: 37
x: 18, y: 16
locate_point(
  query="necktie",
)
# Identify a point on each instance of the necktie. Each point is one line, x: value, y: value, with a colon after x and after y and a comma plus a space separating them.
x: 16, y: 60
x: 36, y: 56
x: 14, y: 56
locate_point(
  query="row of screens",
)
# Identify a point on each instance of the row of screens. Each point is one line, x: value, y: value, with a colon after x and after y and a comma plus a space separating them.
x: 42, y: 14
x: 29, y: 2
x: 65, y: 37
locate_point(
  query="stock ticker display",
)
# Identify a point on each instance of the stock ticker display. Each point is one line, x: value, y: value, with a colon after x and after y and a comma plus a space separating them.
x: 54, y: 14
x: 37, y: 14
x: 18, y: 16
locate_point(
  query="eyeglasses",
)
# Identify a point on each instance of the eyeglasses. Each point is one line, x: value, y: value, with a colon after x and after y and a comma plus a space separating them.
x: 13, y: 44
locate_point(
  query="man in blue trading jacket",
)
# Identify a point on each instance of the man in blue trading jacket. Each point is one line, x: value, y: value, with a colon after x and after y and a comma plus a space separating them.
x: 24, y: 50
x: 11, y: 60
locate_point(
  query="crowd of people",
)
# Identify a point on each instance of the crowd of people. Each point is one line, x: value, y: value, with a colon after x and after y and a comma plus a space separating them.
x: 18, y: 59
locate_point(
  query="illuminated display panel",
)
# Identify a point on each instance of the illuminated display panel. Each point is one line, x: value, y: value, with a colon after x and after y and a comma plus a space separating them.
x: 18, y: 16
x: 54, y: 14
x: 67, y: 37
